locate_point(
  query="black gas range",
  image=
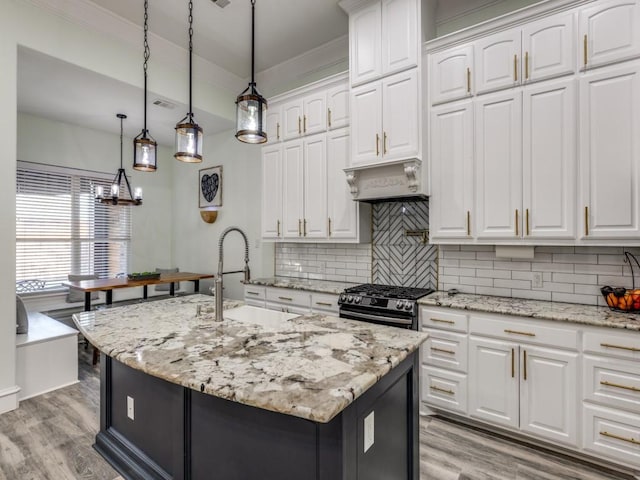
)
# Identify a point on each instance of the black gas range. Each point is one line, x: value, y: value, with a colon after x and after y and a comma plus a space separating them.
x: 383, y: 304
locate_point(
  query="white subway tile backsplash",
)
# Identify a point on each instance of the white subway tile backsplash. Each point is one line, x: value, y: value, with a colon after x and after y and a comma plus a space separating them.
x: 573, y: 278
x: 493, y: 273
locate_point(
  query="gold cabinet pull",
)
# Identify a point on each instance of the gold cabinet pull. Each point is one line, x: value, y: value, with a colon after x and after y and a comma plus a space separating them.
x: 384, y: 143
x: 304, y: 124
x: 299, y: 227
x: 584, y: 50
x: 620, y: 347
x: 324, y: 304
x: 526, y: 214
x: 288, y: 299
x: 586, y: 221
x: 278, y: 226
x: 329, y: 226
x: 513, y: 363
x: 617, y: 385
x: 524, y: 356
x: 278, y: 131
x: 252, y: 293
x: 468, y: 223
x: 304, y: 223
x: 443, y: 390
x: 329, y: 116
x: 439, y: 320
x: 518, y: 332
x: 517, y: 222
x: 526, y: 65
x: 377, y: 144
x: 299, y: 128
x: 618, y: 437
x: 442, y: 350
x: 468, y: 80
x: 515, y: 67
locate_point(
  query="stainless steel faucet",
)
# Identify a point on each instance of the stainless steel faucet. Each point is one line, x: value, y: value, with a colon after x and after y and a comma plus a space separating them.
x: 218, y: 280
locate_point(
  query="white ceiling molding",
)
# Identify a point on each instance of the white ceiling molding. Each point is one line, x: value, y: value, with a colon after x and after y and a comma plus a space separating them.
x: 450, y: 10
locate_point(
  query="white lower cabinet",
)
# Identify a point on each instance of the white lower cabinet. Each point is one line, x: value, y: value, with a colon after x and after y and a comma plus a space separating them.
x: 443, y: 388
x: 291, y: 300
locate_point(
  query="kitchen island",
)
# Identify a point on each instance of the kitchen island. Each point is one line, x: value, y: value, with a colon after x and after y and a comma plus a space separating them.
x: 261, y: 394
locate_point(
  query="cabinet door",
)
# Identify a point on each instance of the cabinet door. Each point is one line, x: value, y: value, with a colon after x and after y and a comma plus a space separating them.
x: 315, y: 187
x: 292, y: 119
x: 400, y: 42
x: 609, y: 32
x: 366, y: 124
x: 365, y: 40
x: 314, y: 118
x: 493, y: 381
x: 342, y: 210
x: 549, y: 159
x: 451, y: 202
x: 338, y: 107
x: 450, y: 74
x: 549, y: 396
x: 274, y: 122
x: 400, y: 111
x: 548, y: 47
x: 499, y: 165
x: 292, y: 189
x: 271, y: 191
x: 609, y: 152
x: 497, y: 61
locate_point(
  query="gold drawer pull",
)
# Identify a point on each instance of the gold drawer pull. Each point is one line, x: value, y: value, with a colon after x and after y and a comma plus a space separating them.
x: 278, y: 228
x: 330, y: 233
x: 253, y: 293
x: 443, y: 390
x: 299, y: 128
x: 278, y: 130
x: 304, y: 124
x: 517, y: 223
x: 515, y: 68
x: 329, y: 115
x: 289, y: 299
x: 451, y: 322
x: 526, y: 65
x: 325, y: 304
x: 468, y: 80
x: 377, y: 144
x: 468, y: 223
x: 436, y: 349
x: 585, y: 50
x: 516, y: 332
x: 586, y: 221
x: 617, y: 385
x: 618, y: 437
x: 513, y: 363
x: 620, y: 347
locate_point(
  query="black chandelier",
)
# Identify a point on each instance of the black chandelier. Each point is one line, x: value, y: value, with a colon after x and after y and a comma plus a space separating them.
x: 250, y: 105
x: 188, y: 132
x: 145, y: 152
x: 114, y: 197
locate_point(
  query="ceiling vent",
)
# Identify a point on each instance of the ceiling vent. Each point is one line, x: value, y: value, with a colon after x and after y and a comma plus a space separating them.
x: 221, y: 3
x: 164, y: 104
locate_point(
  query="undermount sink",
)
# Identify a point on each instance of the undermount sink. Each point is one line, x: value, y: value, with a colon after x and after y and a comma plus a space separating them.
x: 257, y: 315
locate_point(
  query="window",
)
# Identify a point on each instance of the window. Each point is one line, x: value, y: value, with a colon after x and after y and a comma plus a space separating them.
x: 61, y: 229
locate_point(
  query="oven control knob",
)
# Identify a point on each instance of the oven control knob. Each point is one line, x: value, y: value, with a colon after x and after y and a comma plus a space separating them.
x: 357, y: 300
x: 399, y: 305
x: 407, y: 306
x: 343, y: 298
x: 350, y: 299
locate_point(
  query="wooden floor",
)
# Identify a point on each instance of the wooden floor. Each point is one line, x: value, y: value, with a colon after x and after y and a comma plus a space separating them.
x: 50, y: 437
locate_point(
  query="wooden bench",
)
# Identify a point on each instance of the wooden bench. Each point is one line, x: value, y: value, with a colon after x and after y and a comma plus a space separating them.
x: 46, y: 357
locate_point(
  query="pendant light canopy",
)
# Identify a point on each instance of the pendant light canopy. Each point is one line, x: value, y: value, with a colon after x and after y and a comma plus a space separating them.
x: 118, y: 196
x: 188, y: 132
x: 250, y: 105
x: 145, y: 152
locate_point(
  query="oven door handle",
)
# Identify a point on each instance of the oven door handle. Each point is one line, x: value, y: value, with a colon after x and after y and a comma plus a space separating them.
x: 376, y: 318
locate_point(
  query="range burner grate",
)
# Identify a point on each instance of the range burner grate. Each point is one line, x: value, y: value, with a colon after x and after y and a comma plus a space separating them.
x: 388, y: 291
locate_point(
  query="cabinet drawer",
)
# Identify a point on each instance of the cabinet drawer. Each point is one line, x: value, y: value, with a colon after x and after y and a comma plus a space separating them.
x: 254, y: 303
x: 612, y: 433
x: 254, y: 292
x: 614, y: 383
x: 288, y: 297
x: 444, y: 389
x: 621, y: 345
x: 323, y: 302
x: 279, y: 307
x: 443, y: 319
x: 523, y: 331
x: 445, y: 350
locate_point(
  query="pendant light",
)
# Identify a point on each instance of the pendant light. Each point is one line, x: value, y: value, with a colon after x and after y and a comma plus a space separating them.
x: 145, y: 151
x: 114, y: 198
x: 250, y: 105
x: 188, y: 132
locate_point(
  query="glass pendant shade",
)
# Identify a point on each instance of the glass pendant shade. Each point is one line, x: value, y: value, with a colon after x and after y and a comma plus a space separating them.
x: 145, y: 154
x: 250, y: 117
x: 188, y: 142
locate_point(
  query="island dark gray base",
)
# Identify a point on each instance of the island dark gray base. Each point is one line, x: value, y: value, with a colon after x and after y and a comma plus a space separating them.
x: 178, y: 433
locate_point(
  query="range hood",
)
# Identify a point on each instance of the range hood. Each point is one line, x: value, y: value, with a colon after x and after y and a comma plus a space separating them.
x: 398, y: 180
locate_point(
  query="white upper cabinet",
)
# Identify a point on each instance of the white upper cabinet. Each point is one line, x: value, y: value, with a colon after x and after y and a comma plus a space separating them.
x: 366, y: 123
x: 383, y: 39
x: 548, y: 47
x: 610, y: 152
x: 271, y: 191
x: 274, y: 122
x: 498, y: 140
x: 342, y: 210
x: 450, y: 74
x: 292, y: 189
x: 608, y: 30
x: 292, y: 119
x: 304, y: 116
x: 338, y: 107
x: 451, y: 203
x: 314, y: 223
x: 497, y: 61
x: 549, y: 159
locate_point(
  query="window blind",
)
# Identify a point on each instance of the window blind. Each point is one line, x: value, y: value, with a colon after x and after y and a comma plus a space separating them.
x: 62, y: 230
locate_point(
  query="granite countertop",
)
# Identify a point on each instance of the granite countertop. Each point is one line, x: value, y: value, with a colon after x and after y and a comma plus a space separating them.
x: 312, y: 366
x: 320, y: 286
x: 565, y: 312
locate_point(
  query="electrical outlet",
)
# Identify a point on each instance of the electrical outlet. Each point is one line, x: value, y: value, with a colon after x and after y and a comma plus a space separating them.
x: 130, y: 408
x: 537, y: 280
x: 369, y: 429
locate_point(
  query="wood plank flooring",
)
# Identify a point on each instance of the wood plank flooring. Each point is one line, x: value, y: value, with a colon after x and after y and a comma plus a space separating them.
x: 50, y: 437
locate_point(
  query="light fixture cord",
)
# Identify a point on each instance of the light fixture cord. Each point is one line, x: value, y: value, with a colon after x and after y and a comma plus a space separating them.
x: 121, y: 120
x: 253, y: 41
x: 147, y: 54
x: 190, y: 58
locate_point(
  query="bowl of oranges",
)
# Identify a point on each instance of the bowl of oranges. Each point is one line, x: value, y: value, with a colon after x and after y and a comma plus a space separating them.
x: 621, y: 298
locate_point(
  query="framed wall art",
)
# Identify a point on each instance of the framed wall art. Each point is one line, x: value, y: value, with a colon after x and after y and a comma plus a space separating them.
x: 210, y: 187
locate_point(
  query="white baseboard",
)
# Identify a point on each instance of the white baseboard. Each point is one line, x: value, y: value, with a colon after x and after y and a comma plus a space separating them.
x: 9, y: 399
